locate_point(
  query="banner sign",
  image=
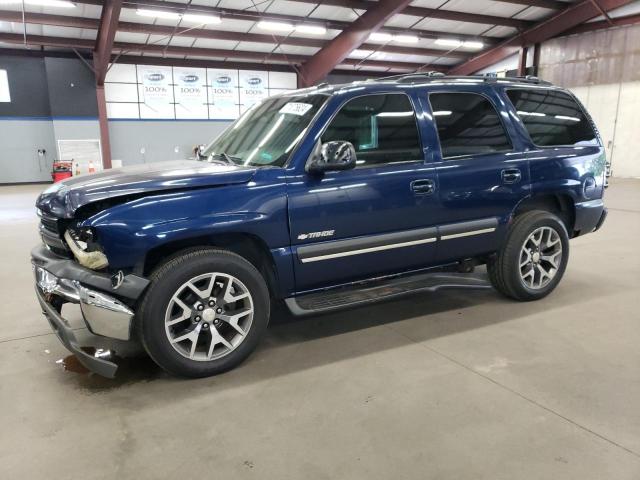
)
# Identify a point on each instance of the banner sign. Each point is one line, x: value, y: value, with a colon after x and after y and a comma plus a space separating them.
x: 224, y: 94
x: 253, y: 88
x: 5, y: 96
x: 190, y: 88
x: 156, y: 86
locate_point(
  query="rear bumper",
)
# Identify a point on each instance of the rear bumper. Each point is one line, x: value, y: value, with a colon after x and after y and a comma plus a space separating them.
x: 589, y: 216
x: 60, y: 281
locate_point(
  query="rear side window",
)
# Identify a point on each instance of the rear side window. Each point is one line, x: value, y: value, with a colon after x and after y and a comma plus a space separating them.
x: 382, y: 128
x: 552, y: 118
x: 468, y: 124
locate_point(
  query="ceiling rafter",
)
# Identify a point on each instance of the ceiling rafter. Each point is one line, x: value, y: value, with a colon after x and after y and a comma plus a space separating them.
x: 351, y: 38
x: 360, y: 4
x: 572, y: 16
x: 126, y: 48
x: 150, y: 29
x: 257, y: 16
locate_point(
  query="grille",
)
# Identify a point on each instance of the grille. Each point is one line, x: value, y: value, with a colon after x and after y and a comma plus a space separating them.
x: 50, y: 233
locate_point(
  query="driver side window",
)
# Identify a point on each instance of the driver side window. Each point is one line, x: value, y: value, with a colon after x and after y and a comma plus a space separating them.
x: 382, y: 129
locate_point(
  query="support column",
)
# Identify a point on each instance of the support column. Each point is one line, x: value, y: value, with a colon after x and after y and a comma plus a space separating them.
x: 522, y: 61
x: 105, y: 144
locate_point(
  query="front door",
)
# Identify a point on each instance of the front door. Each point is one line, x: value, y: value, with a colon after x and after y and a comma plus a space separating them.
x: 373, y: 220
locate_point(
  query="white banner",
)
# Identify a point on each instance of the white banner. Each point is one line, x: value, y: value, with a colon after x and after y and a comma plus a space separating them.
x: 223, y: 96
x: 5, y: 96
x: 156, y: 86
x: 253, y: 87
x: 190, y: 91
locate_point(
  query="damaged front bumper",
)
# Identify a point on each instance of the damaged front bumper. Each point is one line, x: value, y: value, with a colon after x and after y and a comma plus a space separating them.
x: 60, y: 281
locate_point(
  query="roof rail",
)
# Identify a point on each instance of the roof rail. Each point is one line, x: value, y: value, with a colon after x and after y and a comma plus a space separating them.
x: 438, y: 76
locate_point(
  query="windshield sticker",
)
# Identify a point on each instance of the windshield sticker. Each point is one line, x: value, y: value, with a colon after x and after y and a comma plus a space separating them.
x: 296, y: 108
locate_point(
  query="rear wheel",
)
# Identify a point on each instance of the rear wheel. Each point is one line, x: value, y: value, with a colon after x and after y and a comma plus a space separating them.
x: 204, y: 312
x: 534, y: 257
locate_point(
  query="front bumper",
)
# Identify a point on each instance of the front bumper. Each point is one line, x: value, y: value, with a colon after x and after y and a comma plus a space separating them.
x: 60, y: 281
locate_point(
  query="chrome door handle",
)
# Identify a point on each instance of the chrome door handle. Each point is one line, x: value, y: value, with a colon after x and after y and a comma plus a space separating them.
x: 511, y: 175
x: 423, y: 187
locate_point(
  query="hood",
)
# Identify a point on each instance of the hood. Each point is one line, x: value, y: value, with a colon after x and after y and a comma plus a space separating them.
x: 64, y: 198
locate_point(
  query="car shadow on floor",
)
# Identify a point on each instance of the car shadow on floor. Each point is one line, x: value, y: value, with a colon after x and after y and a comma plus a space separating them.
x: 427, y: 316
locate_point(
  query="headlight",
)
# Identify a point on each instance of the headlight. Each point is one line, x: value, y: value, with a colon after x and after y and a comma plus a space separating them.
x: 79, y: 245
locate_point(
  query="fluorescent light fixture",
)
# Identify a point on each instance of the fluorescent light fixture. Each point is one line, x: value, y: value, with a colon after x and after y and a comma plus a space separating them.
x: 449, y: 42
x: 276, y: 26
x: 564, y: 117
x: 197, y: 18
x: 473, y: 44
x: 381, y: 37
x: 442, y: 113
x: 143, y: 12
x: 394, y: 114
x: 42, y: 3
x: 312, y: 29
x: 531, y: 114
x: 405, y: 38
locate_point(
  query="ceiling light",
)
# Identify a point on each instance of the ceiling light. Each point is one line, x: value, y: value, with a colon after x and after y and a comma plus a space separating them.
x: 197, y: 18
x: 442, y: 113
x: 42, y: 3
x: 449, y: 42
x: 381, y: 37
x: 405, y: 38
x: 313, y: 29
x: 157, y: 14
x: 276, y: 26
x: 473, y: 44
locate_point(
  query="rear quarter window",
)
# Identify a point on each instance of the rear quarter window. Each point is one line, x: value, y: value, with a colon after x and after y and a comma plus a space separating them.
x: 552, y: 118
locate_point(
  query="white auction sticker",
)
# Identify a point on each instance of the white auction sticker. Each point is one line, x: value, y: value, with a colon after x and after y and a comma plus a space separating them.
x: 296, y: 108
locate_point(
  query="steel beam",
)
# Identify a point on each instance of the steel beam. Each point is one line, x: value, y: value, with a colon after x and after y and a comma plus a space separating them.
x: 254, y: 16
x: 361, y: 4
x: 106, y: 36
x: 599, y: 25
x: 149, y: 29
x: 105, y: 143
x: 123, y: 48
x: 337, y: 50
x: 522, y: 62
x: 568, y: 18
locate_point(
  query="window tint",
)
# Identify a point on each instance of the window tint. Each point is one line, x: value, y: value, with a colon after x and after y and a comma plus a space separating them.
x: 552, y: 118
x: 382, y: 128
x: 467, y: 124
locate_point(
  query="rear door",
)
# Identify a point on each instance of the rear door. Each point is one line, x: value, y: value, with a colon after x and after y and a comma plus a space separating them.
x: 482, y: 168
x: 375, y: 219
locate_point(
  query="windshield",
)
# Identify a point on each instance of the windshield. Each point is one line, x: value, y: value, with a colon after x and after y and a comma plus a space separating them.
x: 267, y: 132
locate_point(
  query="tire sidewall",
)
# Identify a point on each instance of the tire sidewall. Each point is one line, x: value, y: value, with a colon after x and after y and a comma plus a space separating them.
x: 517, y: 239
x: 166, y: 282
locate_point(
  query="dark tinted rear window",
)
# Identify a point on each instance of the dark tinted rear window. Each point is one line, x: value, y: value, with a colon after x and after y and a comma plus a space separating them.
x: 468, y: 124
x: 552, y: 118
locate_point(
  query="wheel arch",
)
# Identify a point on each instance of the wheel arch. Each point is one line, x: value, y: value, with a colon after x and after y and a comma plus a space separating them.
x: 250, y: 247
x: 562, y: 205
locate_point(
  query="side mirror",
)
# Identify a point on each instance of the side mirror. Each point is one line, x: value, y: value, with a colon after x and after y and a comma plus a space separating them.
x: 332, y: 156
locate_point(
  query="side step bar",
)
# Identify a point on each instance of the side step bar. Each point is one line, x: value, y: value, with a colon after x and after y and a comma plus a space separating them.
x: 377, y: 291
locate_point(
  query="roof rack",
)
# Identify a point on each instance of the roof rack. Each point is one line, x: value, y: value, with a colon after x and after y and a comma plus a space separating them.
x: 438, y: 76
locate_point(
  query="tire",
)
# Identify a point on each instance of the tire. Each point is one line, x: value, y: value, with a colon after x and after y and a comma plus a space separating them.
x: 233, y: 295
x: 516, y: 271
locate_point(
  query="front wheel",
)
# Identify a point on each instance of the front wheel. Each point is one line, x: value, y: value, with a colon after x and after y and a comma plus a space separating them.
x: 534, y: 257
x: 204, y: 312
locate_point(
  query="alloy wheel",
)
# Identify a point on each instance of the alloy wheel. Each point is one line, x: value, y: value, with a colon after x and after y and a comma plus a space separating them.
x: 209, y: 316
x: 540, y: 257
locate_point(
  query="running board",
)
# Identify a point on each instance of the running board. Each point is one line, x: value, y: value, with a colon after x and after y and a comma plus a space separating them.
x: 377, y: 291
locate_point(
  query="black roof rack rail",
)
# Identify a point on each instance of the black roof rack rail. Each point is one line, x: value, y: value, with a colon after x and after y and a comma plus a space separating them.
x: 439, y: 76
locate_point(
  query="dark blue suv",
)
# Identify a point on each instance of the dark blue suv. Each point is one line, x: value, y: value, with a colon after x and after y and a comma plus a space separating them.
x: 326, y: 197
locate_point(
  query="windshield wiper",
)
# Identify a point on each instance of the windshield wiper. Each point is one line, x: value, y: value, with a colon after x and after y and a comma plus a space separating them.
x: 227, y: 158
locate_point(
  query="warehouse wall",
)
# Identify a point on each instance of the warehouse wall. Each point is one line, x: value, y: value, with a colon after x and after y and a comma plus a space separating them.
x: 135, y: 141
x: 603, y: 69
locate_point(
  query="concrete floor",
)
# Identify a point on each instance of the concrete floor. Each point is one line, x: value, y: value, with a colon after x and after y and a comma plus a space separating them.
x: 456, y: 385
